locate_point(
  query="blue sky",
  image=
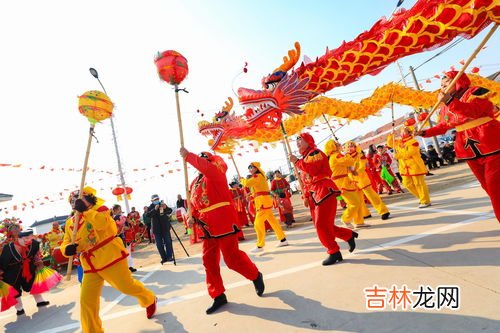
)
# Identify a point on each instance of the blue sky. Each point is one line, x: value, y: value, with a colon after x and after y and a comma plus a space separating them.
x: 49, y: 46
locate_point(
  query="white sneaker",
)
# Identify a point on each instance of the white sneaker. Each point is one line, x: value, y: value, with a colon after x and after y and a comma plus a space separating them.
x: 281, y: 244
x: 424, y: 205
x: 257, y: 250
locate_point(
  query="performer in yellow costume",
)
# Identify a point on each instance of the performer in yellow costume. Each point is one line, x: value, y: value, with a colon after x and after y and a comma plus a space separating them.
x: 363, y: 182
x: 102, y: 256
x: 263, y: 206
x: 55, y: 236
x: 341, y: 166
x: 411, y: 166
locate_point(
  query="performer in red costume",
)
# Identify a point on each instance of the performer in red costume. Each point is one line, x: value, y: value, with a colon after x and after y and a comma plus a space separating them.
x: 239, y: 206
x: 280, y: 185
x: 468, y: 110
x: 323, y: 192
x: 217, y: 218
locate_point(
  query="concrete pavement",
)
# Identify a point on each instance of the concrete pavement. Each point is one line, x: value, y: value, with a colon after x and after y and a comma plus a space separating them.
x: 453, y: 243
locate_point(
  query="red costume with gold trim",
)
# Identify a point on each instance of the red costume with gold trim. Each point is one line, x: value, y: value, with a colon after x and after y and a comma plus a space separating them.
x: 323, y: 192
x: 239, y: 206
x: 212, y: 208
x: 281, y: 185
x: 473, y: 116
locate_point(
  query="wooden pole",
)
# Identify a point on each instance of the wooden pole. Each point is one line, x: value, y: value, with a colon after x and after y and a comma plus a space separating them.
x: 287, y: 142
x: 330, y: 127
x: 393, y: 126
x: 235, y: 166
x: 455, y: 79
x: 181, y: 137
x: 76, y: 218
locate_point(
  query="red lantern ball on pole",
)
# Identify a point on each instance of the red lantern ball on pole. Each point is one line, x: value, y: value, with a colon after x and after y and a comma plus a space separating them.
x: 172, y: 67
x: 118, y: 191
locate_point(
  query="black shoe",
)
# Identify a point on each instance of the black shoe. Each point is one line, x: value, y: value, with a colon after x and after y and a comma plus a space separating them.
x: 132, y: 269
x: 218, y: 302
x: 352, y: 241
x: 169, y: 259
x: 385, y: 216
x: 163, y: 261
x: 367, y: 216
x: 259, y: 284
x: 41, y: 304
x: 20, y: 312
x: 333, y: 258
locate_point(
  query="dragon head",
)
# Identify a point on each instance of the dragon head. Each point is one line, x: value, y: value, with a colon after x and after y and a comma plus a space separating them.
x: 223, y: 125
x: 282, y: 93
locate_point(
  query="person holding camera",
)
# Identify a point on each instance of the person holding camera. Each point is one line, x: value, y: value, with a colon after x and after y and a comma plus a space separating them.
x: 159, y: 213
x: 102, y: 256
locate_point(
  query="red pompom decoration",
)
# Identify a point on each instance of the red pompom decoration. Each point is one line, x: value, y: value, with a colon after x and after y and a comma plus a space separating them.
x: 172, y: 67
x: 422, y: 116
x: 475, y: 70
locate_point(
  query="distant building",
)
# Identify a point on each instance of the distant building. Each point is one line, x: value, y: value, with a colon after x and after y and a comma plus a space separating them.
x: 5, y: 197
x: 41, y: 227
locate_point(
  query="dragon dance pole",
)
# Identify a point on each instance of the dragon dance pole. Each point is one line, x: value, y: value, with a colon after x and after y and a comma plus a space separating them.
x: 455, y: 79
x: 173, y: 68
x: 181, y: 135
x: 235, y: 166
x: 77, y: 217
x: 330, y: 127
x: 295, y: 171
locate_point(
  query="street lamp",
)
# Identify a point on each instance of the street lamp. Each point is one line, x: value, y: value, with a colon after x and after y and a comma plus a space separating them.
x: 94, y: 73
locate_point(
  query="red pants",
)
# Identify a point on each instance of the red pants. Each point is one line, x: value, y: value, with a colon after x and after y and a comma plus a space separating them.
x: 310, y: 203
x: 234, y: 258
x: 487, y: 171
x: 324, y: 221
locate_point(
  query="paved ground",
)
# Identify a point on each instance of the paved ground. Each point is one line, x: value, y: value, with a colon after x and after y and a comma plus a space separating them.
x: 454, y: 243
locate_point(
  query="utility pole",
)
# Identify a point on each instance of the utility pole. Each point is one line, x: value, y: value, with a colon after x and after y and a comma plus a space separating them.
x: 120, y: 170
x: 431, y: 123
x: 406, y: 85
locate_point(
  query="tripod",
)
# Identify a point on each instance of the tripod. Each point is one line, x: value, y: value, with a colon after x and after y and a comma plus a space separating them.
x: 177, y: 236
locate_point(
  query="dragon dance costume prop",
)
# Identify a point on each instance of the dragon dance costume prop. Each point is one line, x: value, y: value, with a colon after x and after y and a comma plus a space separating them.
x: 317, y: 177
x: 263, y: 206
x: 295, y: 88
x: 469, y: 110
x: 102, y: 257
x: 363, y: 182
x: 217, y: 218
x: 340, y: 165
